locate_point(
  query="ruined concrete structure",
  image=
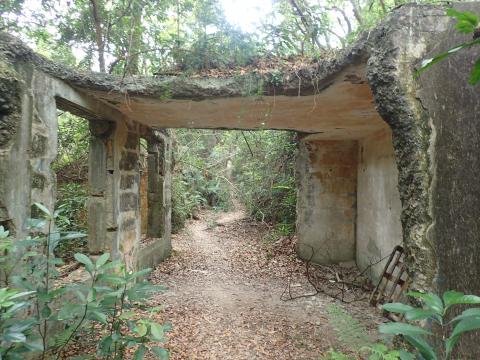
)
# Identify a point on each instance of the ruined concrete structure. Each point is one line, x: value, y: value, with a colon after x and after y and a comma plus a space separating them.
x: 384, y: 158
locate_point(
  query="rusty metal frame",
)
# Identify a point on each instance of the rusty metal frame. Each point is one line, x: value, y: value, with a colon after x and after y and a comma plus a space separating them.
x: 393, y: 283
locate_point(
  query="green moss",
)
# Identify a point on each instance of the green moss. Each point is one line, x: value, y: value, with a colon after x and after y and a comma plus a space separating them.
x: 9, y: 102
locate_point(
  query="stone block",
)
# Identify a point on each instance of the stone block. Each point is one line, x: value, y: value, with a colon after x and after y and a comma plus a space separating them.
x: 132, y: 141
x: 97, y: 225
x: 129, y: 201
x: 97, y: 166
x: 129, y: 161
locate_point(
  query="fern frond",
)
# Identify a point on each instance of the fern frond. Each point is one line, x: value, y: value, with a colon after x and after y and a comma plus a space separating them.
x: 350, y: 332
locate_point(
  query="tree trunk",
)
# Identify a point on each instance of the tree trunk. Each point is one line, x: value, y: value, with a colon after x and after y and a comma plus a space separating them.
x: 99, y: 38
x: 306, y: 22
x: 356, y: 12
x: 133, y: 66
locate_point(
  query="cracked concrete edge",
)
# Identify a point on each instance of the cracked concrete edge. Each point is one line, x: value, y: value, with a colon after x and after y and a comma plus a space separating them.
x: 401, y: 44
x: 306, y: 81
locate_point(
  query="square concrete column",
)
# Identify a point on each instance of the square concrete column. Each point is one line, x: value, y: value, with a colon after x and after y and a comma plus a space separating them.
x: 100, y: 181
x: 156, y: 171
x: 326, y: 204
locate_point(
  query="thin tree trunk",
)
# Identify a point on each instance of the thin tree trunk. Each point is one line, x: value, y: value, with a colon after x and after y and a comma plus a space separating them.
x: 135, y: 45
x: 306, y: 23
x: 356, y: 12
x: 98, y: 35
x: 382, y: 4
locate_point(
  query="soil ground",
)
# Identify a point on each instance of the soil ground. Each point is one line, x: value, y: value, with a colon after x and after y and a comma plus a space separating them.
x: 225, y: 283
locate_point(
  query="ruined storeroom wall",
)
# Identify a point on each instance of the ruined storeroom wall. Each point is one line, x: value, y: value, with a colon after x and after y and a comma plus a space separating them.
x: 14, y: 140
x: 129, y: 219
x: 434, y: 121
x: 436, y: 132
x: 28, y: 143
x: 28, y: 146
x: 379, y: 208
x: 159, y: 229
x: 326, y: 204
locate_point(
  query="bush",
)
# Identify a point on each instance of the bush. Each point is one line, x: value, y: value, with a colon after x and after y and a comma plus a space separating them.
x: 103, y: 306
x: 73, y: 216
x: 264, y: 171
x: 257, y: 167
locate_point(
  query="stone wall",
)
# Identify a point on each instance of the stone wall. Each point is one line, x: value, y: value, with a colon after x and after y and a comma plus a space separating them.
x: 28, y: 146
x: 159, y: 164
x: 435, y: 123
x: 28, y: 135
x: 379, y: 208
x: 326, y: 205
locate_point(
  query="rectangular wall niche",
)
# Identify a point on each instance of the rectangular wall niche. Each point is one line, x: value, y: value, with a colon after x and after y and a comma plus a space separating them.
x: 348, y: 206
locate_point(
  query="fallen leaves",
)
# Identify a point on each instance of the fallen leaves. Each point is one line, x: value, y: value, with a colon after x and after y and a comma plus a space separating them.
x: 225, y: 284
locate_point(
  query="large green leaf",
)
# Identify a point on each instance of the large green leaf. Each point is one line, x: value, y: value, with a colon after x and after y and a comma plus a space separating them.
x: 15, y: 337
x: 474, y: 312
x: 160, y: 352
x: 467, y: 21
x: 422, y: 346
x: 97, y: 316
x: 394, y: 328
x: 422, y: 314
x: 465, y: 325
x: 72, y: 235
x: 397, y: 308
x: 141, y: 329
x: 475, y: 74
x: 36, y: 223
x: 431, y: 300
x: 45, y: 210
x: 53, y: 241
x: 427, y: 63
x: 140, y: 273
x: 85, y: 260
x: 405, y: 355
x: 140, y: 353
x: 455, y: 298
x: 102, y: 260
x: 157, y: 331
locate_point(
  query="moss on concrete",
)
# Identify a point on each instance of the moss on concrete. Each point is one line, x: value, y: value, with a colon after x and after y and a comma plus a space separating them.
x: 9, y: 103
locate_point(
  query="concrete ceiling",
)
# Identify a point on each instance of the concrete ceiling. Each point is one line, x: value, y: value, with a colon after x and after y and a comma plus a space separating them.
x: 343, y: 109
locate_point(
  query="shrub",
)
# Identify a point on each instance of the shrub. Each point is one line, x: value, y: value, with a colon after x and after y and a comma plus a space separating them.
x: 32, y: 303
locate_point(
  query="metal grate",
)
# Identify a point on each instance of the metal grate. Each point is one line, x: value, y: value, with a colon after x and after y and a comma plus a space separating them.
x: 394, y: 281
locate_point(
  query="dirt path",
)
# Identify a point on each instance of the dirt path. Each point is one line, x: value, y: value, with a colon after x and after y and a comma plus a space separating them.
x: 224, y: 297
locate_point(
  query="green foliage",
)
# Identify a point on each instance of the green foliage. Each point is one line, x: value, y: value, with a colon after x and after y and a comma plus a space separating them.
x: 355, y: 337
x: 337, y: 355
x: 350, y: 332
x: 156, y: 37
x: 9, y: 10
x: 72, y: 215
x: 71, y: 168
x: 103, y: 306
x: 73, y: 145
x: 198, y: 180
x: 257, y: 168
x: 467, y: 23
x: 264, y: 172
x: 434, y: 309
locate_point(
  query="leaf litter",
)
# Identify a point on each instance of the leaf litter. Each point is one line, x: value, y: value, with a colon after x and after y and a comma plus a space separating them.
x: 225, y: 282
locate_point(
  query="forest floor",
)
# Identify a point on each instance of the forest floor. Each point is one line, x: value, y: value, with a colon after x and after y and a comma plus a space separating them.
x: 225, y: 282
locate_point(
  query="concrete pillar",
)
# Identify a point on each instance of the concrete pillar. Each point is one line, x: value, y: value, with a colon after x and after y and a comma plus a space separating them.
x: 100, y: 181
x: 156, y: 172
x: 379, y: 228
x: 326, y: 204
